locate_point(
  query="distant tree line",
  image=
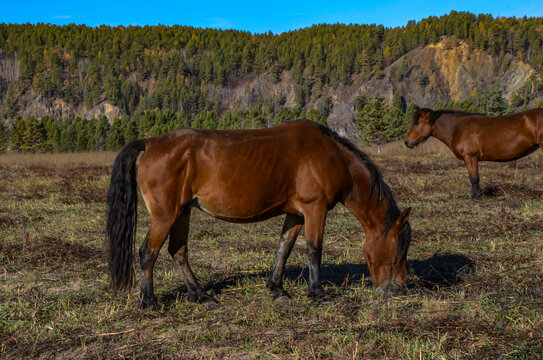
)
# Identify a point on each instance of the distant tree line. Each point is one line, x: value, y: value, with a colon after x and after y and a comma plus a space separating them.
x: 49, y: 134
x: 378, y: 123
x: 491, y: 102
x: 176, y: 67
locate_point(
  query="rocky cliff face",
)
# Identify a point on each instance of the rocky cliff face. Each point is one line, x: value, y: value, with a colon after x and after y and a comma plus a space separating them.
x: 34, y: 104
x: 454, y: 71
x: 451, y: 71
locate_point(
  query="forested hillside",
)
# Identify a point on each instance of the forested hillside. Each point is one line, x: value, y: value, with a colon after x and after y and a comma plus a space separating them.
x: 147, y: 80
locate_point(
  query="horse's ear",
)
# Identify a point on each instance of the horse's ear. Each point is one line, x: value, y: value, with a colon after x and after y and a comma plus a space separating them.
x: 402, y: 219
x: 415, y: 114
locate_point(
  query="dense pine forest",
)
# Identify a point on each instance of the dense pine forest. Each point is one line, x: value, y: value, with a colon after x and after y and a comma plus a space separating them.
x: 164, y: 77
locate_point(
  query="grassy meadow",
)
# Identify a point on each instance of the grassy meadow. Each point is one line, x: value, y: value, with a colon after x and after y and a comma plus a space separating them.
x: 475, y: 272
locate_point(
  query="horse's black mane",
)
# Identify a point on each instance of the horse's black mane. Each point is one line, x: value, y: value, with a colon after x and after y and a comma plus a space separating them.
x: 377, y: 183
x: 435, y: 114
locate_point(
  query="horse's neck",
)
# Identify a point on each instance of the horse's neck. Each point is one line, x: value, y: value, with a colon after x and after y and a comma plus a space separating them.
x: 443, y: 128
x: 371, y: 213
x: 368, y: 210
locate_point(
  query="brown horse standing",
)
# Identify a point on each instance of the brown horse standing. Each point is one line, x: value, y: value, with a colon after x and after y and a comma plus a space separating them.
x: 300, y: 169
x: 478, y: 137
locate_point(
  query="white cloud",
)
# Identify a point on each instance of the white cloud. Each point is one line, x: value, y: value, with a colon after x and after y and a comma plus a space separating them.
x: 62, y: 17
x: 220, y: 23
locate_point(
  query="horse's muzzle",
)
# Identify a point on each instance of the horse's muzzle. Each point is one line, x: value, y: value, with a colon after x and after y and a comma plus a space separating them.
x: 390, y: 289
x: 410, y: 144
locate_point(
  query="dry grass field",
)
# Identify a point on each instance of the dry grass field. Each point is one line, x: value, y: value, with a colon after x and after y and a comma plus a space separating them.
x: 475, y: 272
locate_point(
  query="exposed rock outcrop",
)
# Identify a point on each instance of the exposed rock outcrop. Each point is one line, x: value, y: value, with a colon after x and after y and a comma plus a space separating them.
x: 104, y: 109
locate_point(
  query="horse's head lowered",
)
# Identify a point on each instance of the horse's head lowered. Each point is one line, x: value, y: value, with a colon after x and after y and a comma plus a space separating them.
x: 421, y: 128
x: 387, y: 258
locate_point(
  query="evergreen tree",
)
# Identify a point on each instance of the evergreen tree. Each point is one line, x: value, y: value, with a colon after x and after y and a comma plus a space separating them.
x: 325, y: 106
x: 283, y: 116
x: 68, y: 138
x: 100, y: 134
x: 493, y: 103
x: 316, y: 116
x: 29, y: 135
x: 359, y: 103
x: 115, y: 137
x: 226, y: 122
x: 398, y: 102
x: 3, y: 137
x: 52, y: 134
x: 379, y: 124
x: 364, y: 61
x: 81, y: 133
x: 8, y: 103
x: 130, y: 131
x: 92, y: 144
x: 402, y: 71
x: 254, y: 119
x: 17, y: 134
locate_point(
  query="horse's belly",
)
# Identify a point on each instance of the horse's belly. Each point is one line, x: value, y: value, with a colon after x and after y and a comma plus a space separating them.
x: 240, y: 209
x: 508, y: 152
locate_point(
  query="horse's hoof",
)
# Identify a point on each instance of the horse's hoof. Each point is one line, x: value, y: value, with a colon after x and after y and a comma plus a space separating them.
x: 317, y: 293
x: 208, y: 301
x: 210, y: 304
x: 321, y: 301
x: 282, y: 298
x: 149, y: 304
x: 202, y: 298
x: 280, y: 293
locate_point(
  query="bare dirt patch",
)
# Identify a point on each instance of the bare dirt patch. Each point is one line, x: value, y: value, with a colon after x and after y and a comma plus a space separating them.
x: 50, y: 252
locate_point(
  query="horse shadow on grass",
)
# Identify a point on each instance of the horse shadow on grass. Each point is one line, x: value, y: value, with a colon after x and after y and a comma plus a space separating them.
x: 512, y: 190
x: 438, y: 271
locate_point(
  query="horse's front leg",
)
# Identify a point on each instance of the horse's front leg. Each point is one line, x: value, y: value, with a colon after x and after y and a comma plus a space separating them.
x: 473, y: 170
x: 315, y: 218
x: 291, y: 229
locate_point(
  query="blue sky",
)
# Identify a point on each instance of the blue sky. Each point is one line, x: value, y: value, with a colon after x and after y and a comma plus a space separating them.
x: 254, y: 16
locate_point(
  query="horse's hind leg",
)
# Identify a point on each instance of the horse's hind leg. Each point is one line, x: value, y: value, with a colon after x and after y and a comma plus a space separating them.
x: 473, y: 170
x: 291, y: 229
x: 177, y: 248
x: 148, y: 254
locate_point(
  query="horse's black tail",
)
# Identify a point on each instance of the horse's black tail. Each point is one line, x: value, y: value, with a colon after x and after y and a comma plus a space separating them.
x: 122, y: 197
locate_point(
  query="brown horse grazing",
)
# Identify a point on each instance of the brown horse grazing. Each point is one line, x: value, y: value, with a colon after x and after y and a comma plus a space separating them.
x: 478, y: 137
x: 300, y: 169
